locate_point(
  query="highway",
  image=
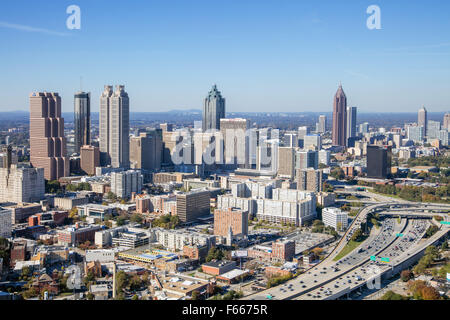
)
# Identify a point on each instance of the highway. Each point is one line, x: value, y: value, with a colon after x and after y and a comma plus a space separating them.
x: 324, y: 281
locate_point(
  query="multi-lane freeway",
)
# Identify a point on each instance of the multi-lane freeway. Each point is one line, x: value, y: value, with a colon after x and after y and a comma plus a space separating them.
x: 332, y: 279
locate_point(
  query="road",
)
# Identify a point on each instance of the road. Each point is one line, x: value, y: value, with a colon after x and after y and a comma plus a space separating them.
x: 351, y: 266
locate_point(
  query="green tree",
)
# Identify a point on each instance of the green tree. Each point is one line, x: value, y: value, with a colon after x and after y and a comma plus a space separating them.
x: 121, y: 281
x: 391, y: 295
x: 136, y: 217
x: 121, y: 220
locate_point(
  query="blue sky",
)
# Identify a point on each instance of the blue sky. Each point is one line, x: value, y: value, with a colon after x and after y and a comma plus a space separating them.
x: 277, y: 55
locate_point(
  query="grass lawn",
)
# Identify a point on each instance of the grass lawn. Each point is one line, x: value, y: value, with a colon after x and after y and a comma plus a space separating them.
x: 351, y: 245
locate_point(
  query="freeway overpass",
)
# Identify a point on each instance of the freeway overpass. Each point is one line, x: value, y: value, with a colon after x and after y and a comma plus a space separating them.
x: 308, y: 281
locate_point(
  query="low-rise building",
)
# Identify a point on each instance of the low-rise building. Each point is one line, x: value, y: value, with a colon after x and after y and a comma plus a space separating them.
x: 78, y: 234
x: 218, y: 267
x: 335, y: 218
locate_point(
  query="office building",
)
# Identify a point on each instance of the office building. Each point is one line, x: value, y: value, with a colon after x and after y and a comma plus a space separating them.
x: 114, y: 124
x: 47, y: 141
x: 21, y: 185
x: 302, y: 132
x: 351, y: 123
x: 444, y: 137
x: 287, y: 206
x: 175, y: 240
x: 322, y: 128
x: 415, y: 133
x: 283, y: 250
x: 312, y: 142
x: 335, y: 218
x: 213, y: 110
x: 230, y: 218
x: 339, y: 133
x: 422, y: 119
x: 18, y: 184
x: 290, y: 140
x: 306, y: 159
x: 146, y: 151
x: 77, y: 234
x: 82, y: 120
x: 125, y: 183
x: 433, y: 128
x: 324, y: 157
x: 286, y: 162
x: 267, y: 156
x: 446, y: 122
x: 193, y: 205
x: 364, y: 128
x: 378, y: 162
x: 244, y: 204
x: 236, y: 143
x: 5, y: 223
x: 309, y: 180
x: 90, y: 159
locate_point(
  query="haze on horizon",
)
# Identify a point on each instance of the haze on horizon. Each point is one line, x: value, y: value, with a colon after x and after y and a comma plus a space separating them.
x: 264, y: 56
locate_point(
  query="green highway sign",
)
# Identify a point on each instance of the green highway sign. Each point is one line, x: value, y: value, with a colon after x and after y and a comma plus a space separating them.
x: 385, y: 259
x: 373, y: 258
x: 399, y: 234
x: 445, y: 222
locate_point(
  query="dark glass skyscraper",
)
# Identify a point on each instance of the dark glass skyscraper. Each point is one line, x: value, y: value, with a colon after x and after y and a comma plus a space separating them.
x: 339, y: 134
x: 82, y: 119
x: 213, y: 110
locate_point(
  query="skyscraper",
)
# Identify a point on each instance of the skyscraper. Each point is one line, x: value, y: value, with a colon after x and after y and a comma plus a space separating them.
x: 351, y: 122
x: 339, y: 133
x: 213, y: 110
x: 146, y: 150
x: 115, y: 127
x: 235, y: 141
x: 47, y: 141
x: 82, y: 119
x: 422, y: 119
x: 322, y: 124
x: 446, y: 124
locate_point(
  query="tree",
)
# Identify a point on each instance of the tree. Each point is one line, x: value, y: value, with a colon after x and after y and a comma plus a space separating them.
x: 195, y: 295
x: 429, y: 293
x: 90, y: 296
x: 214, y: 254
x: 135, y: 297
x: 337, y: 173
x: 121, y: 281
x: 406, y: 275
x: 52, y: 186
x: 433, y: 252
x: 136, y: 217
x: 391, y: 295
x: 121, y: 220
x: 357, y: 236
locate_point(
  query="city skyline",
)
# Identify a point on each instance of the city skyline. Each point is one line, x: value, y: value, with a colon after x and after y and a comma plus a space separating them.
x: 289, y: 52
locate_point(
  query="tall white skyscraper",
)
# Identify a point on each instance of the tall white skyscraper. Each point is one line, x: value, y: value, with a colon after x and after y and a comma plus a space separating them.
x: 115, y: 127
x: 351, y: 122
x: 322, y: 124
x: 213, y: 110
x: 422, y: 119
